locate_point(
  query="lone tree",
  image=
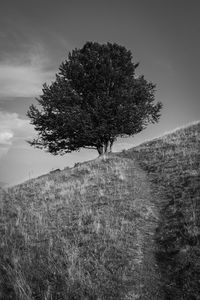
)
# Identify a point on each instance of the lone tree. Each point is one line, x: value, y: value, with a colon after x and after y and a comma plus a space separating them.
x: 95, y: 98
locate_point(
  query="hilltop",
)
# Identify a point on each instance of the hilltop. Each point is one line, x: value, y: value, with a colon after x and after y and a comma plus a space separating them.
x: 121, y: 227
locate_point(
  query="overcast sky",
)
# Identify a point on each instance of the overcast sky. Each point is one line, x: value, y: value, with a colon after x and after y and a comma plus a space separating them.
x: 36, y: 36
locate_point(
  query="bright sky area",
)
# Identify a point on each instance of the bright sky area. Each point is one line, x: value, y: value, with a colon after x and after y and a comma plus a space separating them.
x: 36, y: 36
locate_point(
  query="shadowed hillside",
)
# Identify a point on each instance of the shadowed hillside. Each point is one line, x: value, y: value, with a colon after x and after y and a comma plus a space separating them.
x: 173, y: 167
x: 81, y: 233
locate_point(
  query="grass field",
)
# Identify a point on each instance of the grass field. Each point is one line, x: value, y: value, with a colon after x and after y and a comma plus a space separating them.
x: 81, y: 233
x: 122, y: 227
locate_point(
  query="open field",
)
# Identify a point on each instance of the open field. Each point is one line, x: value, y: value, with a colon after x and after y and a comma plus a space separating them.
x: 122, y: 227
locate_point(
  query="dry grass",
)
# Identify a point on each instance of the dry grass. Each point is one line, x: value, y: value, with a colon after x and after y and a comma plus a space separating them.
x: 89, y: 232
x: 82, y: 233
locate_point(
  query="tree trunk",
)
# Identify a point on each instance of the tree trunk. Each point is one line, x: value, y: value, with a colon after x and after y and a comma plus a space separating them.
x: 100, y: 150
x: 106, y: 145
x: 105, y: 148
x: 111, y: 144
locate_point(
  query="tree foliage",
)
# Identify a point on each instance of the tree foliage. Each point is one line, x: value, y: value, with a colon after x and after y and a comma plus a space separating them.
x: 95, y: 98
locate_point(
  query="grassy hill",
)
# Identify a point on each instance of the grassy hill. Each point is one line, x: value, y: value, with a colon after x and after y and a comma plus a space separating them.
x: 81, y: 233
x: 122, y: 227
x: 172, y: 164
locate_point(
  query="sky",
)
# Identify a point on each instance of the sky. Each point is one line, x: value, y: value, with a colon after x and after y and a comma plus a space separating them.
x: 36, y: 37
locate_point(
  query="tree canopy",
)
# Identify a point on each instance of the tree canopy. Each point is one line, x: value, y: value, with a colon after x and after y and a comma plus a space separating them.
x: 95, y: 98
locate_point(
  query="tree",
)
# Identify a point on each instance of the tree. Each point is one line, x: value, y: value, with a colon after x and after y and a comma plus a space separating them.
x: 95, y: 98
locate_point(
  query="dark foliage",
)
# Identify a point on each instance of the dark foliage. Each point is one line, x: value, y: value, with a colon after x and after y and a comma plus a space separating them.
x: 95, y: 98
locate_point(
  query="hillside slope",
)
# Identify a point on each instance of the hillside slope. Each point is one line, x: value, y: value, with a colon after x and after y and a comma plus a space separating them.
x: 81, y: 233
x: 172, y: 164
x: 123, y: 227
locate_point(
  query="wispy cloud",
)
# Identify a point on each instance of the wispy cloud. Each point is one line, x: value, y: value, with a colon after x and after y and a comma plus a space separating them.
x: 23, y: 74
x: 6, y: 137
x: 12, y: 129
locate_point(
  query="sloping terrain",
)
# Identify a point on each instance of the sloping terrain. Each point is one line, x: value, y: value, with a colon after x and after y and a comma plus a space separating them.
x: 81, y: 233
x: 122, y: 227
x: 173, y: 167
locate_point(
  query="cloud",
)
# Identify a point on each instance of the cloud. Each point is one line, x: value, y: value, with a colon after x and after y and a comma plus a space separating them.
x: 23, y: 75
x: 6, y: 137
x: 13, y: 130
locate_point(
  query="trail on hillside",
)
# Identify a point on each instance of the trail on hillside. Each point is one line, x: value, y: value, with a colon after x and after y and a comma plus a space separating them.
x: 126, y: 193
x: 143, y: 203
x: 143, y: 217
x: 89, y: 232
x: 172, y: 164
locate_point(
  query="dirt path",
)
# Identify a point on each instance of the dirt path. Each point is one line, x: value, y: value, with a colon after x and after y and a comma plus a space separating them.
x: 142, y: 201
